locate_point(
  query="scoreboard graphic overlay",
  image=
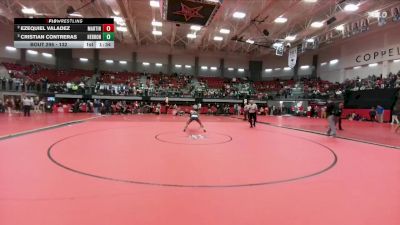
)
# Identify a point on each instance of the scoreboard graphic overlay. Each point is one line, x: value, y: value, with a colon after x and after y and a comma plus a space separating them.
x: 63, y: 33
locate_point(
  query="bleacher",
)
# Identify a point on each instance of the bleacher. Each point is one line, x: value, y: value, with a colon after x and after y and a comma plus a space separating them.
x: 118, y: 77
x: 212, y: 82
x: 164, y: 84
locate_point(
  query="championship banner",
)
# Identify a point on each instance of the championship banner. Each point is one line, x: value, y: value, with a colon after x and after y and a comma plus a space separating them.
x: 292, y: 57
x: 279, y: 51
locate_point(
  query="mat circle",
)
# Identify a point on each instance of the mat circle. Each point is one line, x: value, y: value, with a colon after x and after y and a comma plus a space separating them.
x: 261, y: 183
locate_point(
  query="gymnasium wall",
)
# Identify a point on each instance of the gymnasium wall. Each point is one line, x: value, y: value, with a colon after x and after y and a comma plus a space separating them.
x: 384, y: 40
x: 346, y: 51
x: 6, y: 39
x: 355, y: 54
x: 277, y: 64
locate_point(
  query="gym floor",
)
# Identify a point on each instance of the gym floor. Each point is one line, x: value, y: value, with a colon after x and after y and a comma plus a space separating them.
x: 143, y: 169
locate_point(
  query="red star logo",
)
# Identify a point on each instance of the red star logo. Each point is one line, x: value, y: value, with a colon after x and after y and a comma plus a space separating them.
x: 189, y: 13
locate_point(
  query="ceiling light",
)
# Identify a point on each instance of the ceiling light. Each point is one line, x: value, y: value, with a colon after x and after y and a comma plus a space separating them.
x: 178, y: 66
x: 83, y: 59
x: 277, y: 68
x: 10, y: 48
x: 156, y: 32
x: 47, y: 55
x: 250, y: 41
x: 357, y: 67
x: 224, y: 31
x: 75, y: 14
x: 109, y: 61
x: 373, y: 64
x: 29, y: 11
x: 204, y: 67
x: 191, y: 36
x: 323, y: 64
x: 213, y: 68
x: 155, y: 4
x: 340, y: 27
x: 310, y: 40
x: 333, y: 61
x: 122, y: 29
x: 396, y: 60
x: 218, y: 38
x: 317, y: 24
x: 32, y: 52
x: 240, y: 70
x: 304, y: 67
x: 239, y: 15
x: 188, y: 66
x: 351, y: 8
x: 122, y: 62
x: 156, y: 23
x: 146, y: 64
x: 195, y: 27
x: 287, y: 68
x: 290, y: 38
x: 159, y: 64
x: 280, y: 20
x: 268, y: 70
x: 310, y: 1
x: 230, y: 69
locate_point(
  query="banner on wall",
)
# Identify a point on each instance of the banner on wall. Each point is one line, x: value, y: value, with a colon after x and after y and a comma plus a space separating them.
x: 292, y: 57
x: 279, y: 51
x: 375, y: 56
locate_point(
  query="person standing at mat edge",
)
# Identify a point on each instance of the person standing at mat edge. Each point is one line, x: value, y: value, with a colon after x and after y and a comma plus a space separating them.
x: 338, y: 114
x: 330, y: 108
x: 395, y: 115
x: 252, y: 113
x: 194, y: 116
x: 379, y: 112
x: 246, y: 110
x: 26, y: 104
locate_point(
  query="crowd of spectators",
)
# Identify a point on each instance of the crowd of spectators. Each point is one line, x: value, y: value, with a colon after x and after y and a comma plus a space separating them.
x: 316, y: 88
x: 35, y: 78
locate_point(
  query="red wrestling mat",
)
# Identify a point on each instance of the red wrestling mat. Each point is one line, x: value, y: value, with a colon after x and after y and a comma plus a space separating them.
x: 145, y: 170
x: 381, y: 133
x: 16, y: 122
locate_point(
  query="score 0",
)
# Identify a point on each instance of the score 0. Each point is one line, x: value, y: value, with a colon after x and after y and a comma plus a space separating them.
x: 108, y: 32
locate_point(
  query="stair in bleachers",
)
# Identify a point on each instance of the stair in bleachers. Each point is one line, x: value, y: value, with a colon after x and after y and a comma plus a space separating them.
x: 4, y: 71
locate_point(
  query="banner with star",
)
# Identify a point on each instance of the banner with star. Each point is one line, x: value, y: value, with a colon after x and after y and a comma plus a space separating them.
x: 190, y: 11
